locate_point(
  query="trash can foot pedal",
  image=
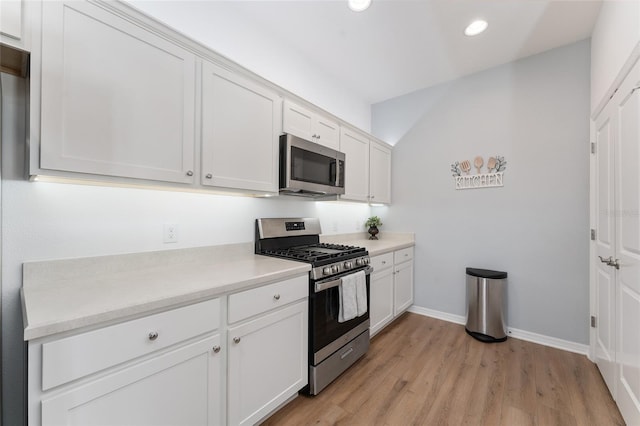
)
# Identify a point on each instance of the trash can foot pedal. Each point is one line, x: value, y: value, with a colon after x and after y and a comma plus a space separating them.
x: 484, y: 338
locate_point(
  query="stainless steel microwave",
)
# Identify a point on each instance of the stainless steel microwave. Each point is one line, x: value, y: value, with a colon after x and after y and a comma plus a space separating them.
x: 309, y: 169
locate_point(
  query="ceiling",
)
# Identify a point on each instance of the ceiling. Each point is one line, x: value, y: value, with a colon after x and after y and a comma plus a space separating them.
x: 398, y: 46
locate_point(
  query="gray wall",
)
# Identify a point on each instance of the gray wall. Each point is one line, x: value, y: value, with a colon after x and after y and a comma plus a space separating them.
x: 535, y: 113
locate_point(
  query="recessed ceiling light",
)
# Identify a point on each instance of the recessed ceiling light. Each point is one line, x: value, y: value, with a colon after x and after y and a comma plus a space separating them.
x: 359, y: 5
x: 476, y: 27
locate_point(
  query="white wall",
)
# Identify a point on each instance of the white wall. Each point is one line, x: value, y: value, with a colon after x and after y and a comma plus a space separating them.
x: 50, y: 221
x: 615, y: 35
x: 535, y: 113
x: 241, y: 40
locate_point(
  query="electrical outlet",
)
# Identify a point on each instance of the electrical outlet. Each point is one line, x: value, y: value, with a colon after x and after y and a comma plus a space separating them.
x: 170, y: 233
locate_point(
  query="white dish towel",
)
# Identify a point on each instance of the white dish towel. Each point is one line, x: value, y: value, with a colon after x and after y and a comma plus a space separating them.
x: 353, y: 296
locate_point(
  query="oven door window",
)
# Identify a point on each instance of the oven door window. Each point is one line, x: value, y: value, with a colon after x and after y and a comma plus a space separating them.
x: 308, y: 166
x: 324, y: 318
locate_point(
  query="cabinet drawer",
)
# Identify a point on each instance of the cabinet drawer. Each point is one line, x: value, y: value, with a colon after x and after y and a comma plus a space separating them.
x: 262, y: 299
x: 74, y: 357
x: 382, y: 261
x: 403, y: 255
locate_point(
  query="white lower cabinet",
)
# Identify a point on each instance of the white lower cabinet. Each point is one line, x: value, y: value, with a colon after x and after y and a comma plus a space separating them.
x: 267, y: 363
x: 185, y: 366
x: 381, y: 299
x: 180, y: 387
x: 391, y: 287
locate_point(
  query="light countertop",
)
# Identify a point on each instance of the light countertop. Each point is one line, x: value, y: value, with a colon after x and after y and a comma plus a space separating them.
x: 62, y: 295
x: 70, y: 294
x: 386, y: 242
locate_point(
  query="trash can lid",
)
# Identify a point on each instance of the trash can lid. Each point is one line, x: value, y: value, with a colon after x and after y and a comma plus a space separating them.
x: 486, y: 273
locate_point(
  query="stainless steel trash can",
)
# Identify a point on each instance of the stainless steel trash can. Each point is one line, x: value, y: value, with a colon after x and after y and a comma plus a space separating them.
x: 486, y: 305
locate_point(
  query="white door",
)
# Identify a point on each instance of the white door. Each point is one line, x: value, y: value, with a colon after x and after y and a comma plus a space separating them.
x: 267, y: 363
x: 240, y: 130
x: 403, y: 287
x: 604, y: 275
x: 627, y: 244
x: 381, y: 299
x: 355, y: 146
x: 181, y: 387
x: 117, y: 100
x: 298, y: 121
x: 380, y: 173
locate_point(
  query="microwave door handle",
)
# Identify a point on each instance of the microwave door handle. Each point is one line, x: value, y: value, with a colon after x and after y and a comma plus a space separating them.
x: 337, y: 182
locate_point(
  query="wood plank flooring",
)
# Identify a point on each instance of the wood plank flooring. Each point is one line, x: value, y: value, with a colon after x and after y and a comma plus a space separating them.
x: 423, y: 371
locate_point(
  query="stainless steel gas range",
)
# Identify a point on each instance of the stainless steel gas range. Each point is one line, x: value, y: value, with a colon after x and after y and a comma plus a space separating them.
x: 333, y: 345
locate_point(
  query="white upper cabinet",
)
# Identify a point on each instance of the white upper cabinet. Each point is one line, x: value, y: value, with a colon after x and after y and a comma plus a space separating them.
x: 13, y: 31
x: 240, y: 129
x: 355, y: 146
x: 380, y: 173
x: 310, y: 125
x: 116, y: 99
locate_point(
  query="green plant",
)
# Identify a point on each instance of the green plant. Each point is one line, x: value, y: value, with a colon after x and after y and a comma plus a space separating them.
x: 373, y: 221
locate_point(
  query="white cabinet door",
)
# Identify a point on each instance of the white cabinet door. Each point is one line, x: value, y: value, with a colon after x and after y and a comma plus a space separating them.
x: 240, y: 130
x: 11, y: 23
x: 627, y: 245
x: 310, y: 125
x: 355, y: 146
x: 403, y: 287
x: 328, y: 132
x: 380, y: 173
x: 116, y: 99
x: 298, y: 121
x: 181, y: 387
x: 381, y: 299
x: 267, y: 363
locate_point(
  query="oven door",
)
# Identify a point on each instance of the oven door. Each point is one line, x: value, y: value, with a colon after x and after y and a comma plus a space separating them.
x: 307, y: 168
x: 327, y: 335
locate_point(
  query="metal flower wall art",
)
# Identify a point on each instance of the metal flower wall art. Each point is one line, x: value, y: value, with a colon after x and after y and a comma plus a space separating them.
x: 493, y: 177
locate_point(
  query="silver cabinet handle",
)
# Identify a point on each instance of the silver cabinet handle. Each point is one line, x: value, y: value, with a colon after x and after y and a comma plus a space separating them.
x: 318, y: 136
x: 189, y: 173
x: 216, y: 349
x: 276, y: 296
x: 607, y: 260
x: 153, y: 335
x: 372, y: 197
x: 384, y: 262
x: 209, y: 176
x: 236, y: 340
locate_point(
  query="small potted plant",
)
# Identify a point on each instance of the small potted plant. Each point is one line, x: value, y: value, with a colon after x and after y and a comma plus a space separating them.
x: 373, y: 222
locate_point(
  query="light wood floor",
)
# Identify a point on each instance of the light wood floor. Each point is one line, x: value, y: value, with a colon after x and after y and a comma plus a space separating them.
x: 424, y: 371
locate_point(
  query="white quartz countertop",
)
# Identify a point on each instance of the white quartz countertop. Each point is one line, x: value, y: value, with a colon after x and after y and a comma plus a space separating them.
x: 63, y: 295
x: 386, y: 242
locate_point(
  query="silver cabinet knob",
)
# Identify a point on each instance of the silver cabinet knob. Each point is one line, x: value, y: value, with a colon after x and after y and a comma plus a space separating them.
x: 153, y: 335
x: 216, y: 349
x: 373, y: 196
x: 209, y: 176
x: 236, y: 340
x: 189, y: 173
x: 318, y: 136
x: 384, y: 262
x: 276, y: 296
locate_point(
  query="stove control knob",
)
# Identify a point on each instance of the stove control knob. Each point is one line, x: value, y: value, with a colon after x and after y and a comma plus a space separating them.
x: 359, y: 262
x: 326, y: 270
x: 334, y: 269
x: 348, y: 265
x: 366, y: 260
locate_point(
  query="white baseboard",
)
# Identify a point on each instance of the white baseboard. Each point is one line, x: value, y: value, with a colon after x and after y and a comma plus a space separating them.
x: 541, y: 339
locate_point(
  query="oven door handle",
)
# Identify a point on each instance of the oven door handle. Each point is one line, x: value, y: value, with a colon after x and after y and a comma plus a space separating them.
x: 335, y: 283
